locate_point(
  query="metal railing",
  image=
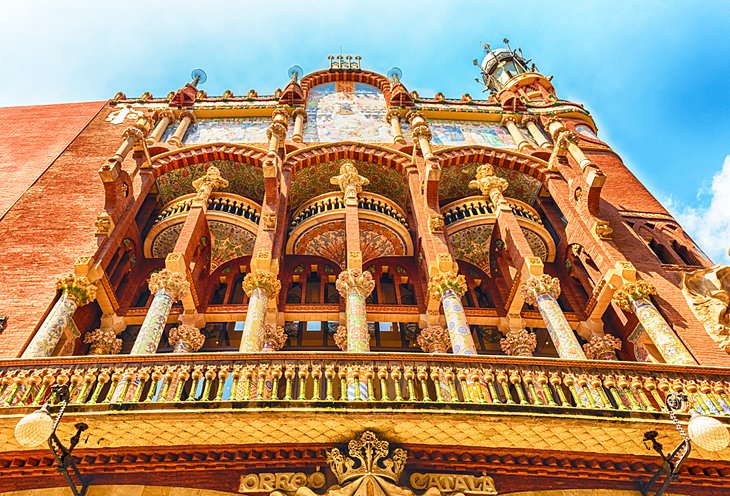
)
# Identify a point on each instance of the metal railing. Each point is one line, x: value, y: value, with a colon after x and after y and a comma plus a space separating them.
x: 472, y: 206
x: 220, y: 202
x: 333, y: 201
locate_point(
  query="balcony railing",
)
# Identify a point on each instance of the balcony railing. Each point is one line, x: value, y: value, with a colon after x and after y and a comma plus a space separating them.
x: 333, y: 201
x: 482, y: 205
x: 221, y: 202
x: 339, y: 380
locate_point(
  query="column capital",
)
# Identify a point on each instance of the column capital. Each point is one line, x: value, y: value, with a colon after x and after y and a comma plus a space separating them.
x: 415, y: 117
x: 280, y: 116
x: 526, y: 119
x: 205, y: 184
x: 518, y: 342
x: 507, y: 119
x: 78, y: 288
x: 277, y: 130
x: 421, y: 131
x: 602, y: 347
x: 356, y: 279
x: 134, y: 133
x: 103, y: 341
x: 300, y: 111
x: 392, y: 112
x: 173, y: 284
x: 434, y: 339
x: 486, y: 181
x: 537, y: 285
x: 186, y: 339
x: 349, y: 180
x: 444, y: 281
x: 165, y: 114
x: 189, y: 114
x: 274, y: 337
x: 632, y: 291
x: 265, y: 281
x: 565, y: 139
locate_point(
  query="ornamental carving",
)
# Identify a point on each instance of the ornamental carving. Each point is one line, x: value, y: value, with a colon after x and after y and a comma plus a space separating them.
x: 274, y: 337
x: 269, y: 222
x: 540, y: 285
x: 103, y: 342
x: 602, y: 230
x: 265, y: 281
x: 708, y: 293
x: 204, y: 185
x: 368, y: 457
x: 421, y: 131
x: 173, y: 284
x: 349, y: 181
x: 356, y: 279
x: 392, y: 114
x: 632, y: 291
x: 340, y: 337
x: 436, y: 224
x: 602, y: 347
x: 134, y: 134
x: 300, y: 112
x: 444, y: 281
x: 434, y: 339
x: 185, y: 339
x: 78, y: 288
x: 518, y: 342
x: 103, y: 224
x: 565, y: 139
x: 276, y: 130
x: 487, y: 182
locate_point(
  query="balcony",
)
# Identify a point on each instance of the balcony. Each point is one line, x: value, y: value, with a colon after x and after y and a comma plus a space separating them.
x: 482, y: 206
x: 333, y: 201
x: 218, y: 202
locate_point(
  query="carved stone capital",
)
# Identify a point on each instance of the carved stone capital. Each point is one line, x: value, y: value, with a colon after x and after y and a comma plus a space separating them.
x: 276, y: 130
x: 265, y: 281
x: 104, y: 224
x: 103, y: 341
x: 349, y: 181
x: 602, y: 347
x: 188, y: 114
x: 565, y: 139
x: 280, y: 116
x: 133, y: 133
x: 436, y: 224
x: 165, y: 114
x: 391, y: 114
x: 415, y: 117
x: 507, y: 119
x: 78, y: 288
x: 434, y: 339
x: 205, y: 184
x: 300, y: 112
x: 421, y: 131
x: 444, y: 281
x: 185, y: 339
x: 356, y: 279
x: 173, y: 284
x: 486, y: 181
x: 539, y: 285
x: 518, y: 342
x: 632, y: 291
x: 526, y: 119
x: 274, y: 337
x: 340, y: 337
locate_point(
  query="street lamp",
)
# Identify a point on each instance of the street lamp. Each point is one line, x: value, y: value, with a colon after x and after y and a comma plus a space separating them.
x: 38, y: 427
x: 706, y: 432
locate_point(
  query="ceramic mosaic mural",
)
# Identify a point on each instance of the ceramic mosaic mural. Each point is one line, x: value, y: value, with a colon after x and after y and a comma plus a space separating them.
x: 538, y: 246
x: 472, y: 245
x: 245, y: 180
x: 231, y: 130
x: 315, y: 180
x: 346, y: 111
x: 165, y: 241
x: 454, y: 183
x: 470, y: 133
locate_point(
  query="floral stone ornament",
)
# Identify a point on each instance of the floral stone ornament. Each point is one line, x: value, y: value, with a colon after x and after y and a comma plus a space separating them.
x: 518, y: 342
x: 538, y: 285
x: 602, y: 347
x: 103, y: 342
x: 434, y: 339
x: 265, y: 281
x: 444, y: 281
x: 79, y: 289
x: 631, y: 292
x: 186, y: 339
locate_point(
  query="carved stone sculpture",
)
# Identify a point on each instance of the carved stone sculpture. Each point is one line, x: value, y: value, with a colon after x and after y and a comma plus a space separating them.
x: 708, y: 293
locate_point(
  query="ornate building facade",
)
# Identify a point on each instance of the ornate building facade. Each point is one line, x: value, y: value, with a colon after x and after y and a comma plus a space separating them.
x: 348, y: 288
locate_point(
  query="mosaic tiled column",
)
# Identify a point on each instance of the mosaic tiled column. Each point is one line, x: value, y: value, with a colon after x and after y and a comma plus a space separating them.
x: 185, y: 339
x: 634, y: 297
x: 543, y: 291
x: 77, y: 291
x: 259, y: 286
x: 435, y: 339
x: 355, y: 285
x: 168, y: 287
x: 449, y: 287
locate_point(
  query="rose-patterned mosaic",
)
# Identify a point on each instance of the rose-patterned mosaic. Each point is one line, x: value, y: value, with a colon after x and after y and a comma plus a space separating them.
x: 228, y: 130
x: 243, y: 179
x: 346, y: 111
x: 315, y: 180
x: 454, y: 183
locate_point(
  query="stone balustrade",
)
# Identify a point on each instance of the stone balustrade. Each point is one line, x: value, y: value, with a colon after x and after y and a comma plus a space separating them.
x: 479, y: 205
x: 220, y: 202
x: 322, y: 379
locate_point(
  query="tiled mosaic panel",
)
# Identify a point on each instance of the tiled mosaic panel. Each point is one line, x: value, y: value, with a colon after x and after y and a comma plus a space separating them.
x: 229, y: 130
x: 346, y: 111
x: 470, y: 133
x: 454, y: 183
x: 243, y: 179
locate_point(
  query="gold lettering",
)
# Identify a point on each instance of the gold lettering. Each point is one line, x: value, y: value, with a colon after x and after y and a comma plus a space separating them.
x: 267, y: 482
x: 467, y: 484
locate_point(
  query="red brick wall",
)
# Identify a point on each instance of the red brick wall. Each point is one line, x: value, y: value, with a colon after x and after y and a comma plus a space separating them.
x: 52, y: 222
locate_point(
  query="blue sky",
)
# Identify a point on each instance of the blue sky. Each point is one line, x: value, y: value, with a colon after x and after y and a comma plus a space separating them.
x: 654, y: 73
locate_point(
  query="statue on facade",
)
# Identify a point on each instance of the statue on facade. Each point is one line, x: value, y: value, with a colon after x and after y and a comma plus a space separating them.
x: 708, y: 293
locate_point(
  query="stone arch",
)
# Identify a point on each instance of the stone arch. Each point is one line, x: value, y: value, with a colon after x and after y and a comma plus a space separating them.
x: 209, y: 152
x: 328, y: 76
x: 507, y: 159
x: 379, y: 155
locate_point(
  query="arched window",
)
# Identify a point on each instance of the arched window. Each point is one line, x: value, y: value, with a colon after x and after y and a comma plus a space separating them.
x: 393, y: 283
x: 312, y: 281
x: 226, y: 283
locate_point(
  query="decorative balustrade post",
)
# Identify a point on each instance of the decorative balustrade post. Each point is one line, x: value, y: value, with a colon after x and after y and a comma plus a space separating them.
x: 168, y: 287
x: 185, y: 339
x: 449, y: 287
x: 76, y: 291
x: 634, y: 297
x: 543, y: 291
x: 602, y: 347
x: 518, y: 342
x: 205, y: 184
x: 355, y: 285
x: 260, y: 287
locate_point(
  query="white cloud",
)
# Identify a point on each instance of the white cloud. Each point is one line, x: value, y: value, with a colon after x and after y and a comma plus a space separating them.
x: 708, y: 222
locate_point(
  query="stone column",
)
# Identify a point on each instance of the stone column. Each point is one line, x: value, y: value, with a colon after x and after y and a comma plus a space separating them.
x: 259, y: 286
x: 421, y: 134
x: 300, y: 118
x: 132, y: 135
x: 185, y: 339
x: 351, y: 184
x: 186, y: 118
x: 164, y: 119
x: 168, y: 287
x: 393, y: 118
x: 205, y: 184
x: 565, y: 139
x: 602, y: 347
x: 276, y: 132
x: 274, y: 338
x: 77, y: 291
x: 510, y: 123
x: 449, y: 287
x: 543, y: 291
x: 530, y: 122
x: 634, y: 297
x: 518, y: 342
x: 355, y: 285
